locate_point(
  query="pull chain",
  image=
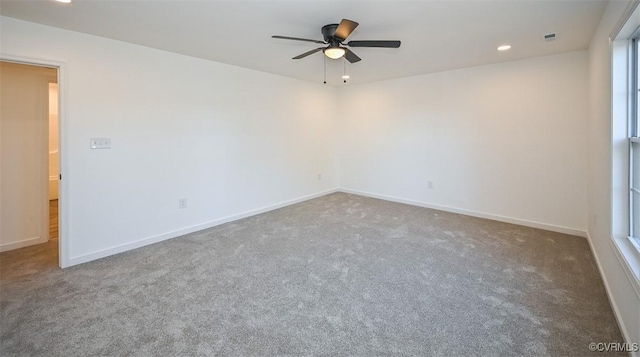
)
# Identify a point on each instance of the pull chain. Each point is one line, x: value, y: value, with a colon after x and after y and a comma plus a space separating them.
x: 325, y: 69
x: 344, y: 72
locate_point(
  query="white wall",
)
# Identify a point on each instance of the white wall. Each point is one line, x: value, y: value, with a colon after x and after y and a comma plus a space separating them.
x: 624, y: 299
x: 231, y: 140
x: 504, y: 141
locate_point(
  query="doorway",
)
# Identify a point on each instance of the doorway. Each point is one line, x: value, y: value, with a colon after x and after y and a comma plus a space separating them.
x: 29, y: 158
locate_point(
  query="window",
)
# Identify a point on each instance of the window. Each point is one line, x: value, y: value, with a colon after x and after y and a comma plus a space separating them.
x: 634, y: 147
x: 625, y: 147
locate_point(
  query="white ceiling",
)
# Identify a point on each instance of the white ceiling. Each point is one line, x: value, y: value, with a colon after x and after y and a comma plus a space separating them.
x: 435, y: 35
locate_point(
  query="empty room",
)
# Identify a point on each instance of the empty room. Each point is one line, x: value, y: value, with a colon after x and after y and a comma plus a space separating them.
x: 338, y: 178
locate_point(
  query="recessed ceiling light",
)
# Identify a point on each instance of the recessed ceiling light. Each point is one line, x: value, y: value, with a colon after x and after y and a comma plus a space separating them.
x: 504, y: 47
x: 346, y: 76
x: 64, y: 1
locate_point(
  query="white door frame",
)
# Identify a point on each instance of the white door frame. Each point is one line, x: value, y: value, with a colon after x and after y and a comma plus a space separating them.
x: 63, y: 184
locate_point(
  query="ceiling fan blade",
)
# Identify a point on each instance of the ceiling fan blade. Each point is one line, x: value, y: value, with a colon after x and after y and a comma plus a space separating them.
x: 385, y: 44
x: 345, y: 28
x: 308, y: 53
x: 350, y: 56
x: 298, y: 39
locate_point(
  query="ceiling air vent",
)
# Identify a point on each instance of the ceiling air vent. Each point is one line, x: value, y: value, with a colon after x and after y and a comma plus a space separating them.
x: 550, y: 37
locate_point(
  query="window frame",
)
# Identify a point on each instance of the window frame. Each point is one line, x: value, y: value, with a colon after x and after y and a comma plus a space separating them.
x: 623, y: 93
x: 633, y: 139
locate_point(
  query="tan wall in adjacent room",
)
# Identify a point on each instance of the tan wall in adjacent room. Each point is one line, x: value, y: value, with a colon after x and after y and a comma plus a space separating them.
x: 54, y: 170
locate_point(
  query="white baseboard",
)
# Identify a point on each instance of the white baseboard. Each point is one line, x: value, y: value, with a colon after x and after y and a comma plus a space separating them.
x: 521, y: 222
x: 23, y: 243
x: 612, y: 301
x: 180, y: 232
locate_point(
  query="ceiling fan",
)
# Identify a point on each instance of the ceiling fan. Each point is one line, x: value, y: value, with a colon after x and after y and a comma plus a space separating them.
x: 334, y: 36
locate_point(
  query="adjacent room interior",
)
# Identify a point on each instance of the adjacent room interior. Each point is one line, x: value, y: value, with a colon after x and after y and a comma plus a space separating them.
x: 29, y: 156
x: 301, y: 178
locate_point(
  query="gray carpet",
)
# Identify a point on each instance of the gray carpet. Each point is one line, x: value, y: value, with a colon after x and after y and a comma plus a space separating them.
x: 337, y: 275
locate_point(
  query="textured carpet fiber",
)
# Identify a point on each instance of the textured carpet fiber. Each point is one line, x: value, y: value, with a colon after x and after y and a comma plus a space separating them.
x: 337, y: 275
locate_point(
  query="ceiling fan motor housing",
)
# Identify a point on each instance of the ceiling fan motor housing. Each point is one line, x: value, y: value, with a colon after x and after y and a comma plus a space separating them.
x: 328, y: 32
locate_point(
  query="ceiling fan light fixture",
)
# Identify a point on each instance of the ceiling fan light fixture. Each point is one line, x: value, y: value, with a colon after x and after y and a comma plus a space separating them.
x: 334, y: 52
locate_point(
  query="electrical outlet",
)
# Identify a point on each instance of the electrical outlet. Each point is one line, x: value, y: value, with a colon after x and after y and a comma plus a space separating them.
x: 430, y: 185
x: 100, y: 143
x: 182, y: 202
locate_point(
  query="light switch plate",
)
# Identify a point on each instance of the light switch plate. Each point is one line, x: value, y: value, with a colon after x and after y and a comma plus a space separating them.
x: 100, y: 143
